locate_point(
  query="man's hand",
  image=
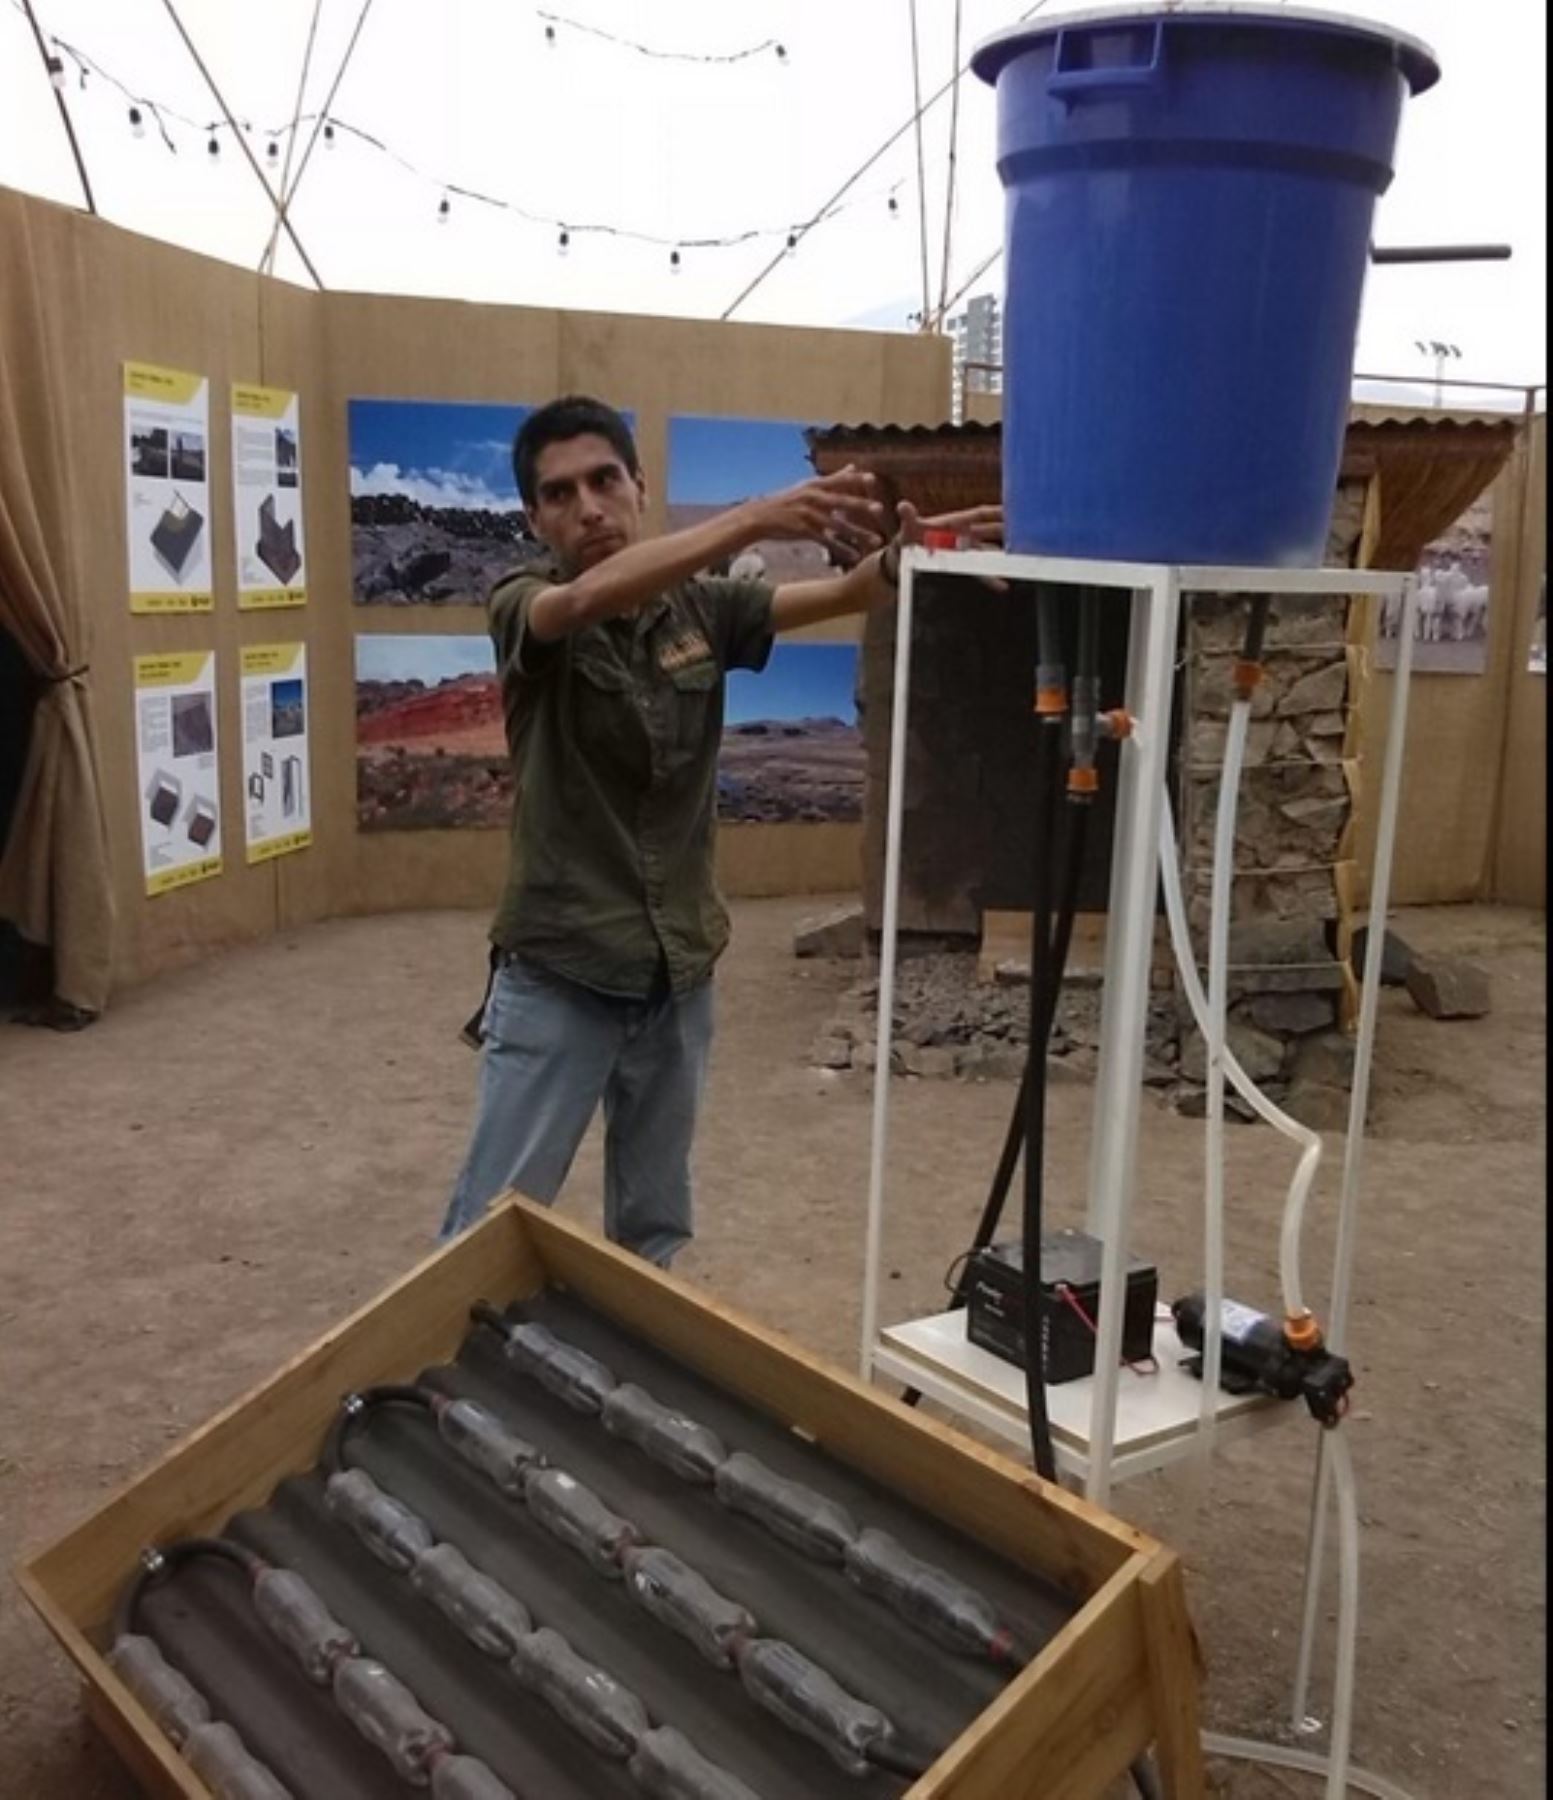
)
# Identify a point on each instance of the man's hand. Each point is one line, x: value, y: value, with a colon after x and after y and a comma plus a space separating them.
x: 838, y: 511
x: 983, y: 525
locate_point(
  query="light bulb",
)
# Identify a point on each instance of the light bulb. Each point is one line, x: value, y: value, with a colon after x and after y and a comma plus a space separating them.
x: 328, y: 137
x: 792, y: 243
x: 272, y: 151
x: 550, y: 37
x: 57, y: 73
x: 674, y: 262
x: 444, y: 208
x: 563, y: 243
x: 895, y: 207
x: 781, y: 53
x: 137, y: 122
x: 214, y: 145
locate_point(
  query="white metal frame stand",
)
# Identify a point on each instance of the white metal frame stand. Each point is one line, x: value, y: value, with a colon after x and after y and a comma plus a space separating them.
x: 1096, y: 1439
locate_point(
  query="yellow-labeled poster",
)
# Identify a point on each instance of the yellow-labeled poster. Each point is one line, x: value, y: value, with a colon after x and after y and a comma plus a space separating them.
x: 277, y: 779
x: 267, y: 497
x: 179, y: 767
x: 167, y: 484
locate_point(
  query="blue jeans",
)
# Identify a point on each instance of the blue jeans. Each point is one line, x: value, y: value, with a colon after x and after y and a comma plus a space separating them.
x: 552, y: 1051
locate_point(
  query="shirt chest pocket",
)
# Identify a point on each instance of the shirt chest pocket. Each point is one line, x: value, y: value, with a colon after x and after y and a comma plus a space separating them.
x: 694, y: 698
x: 610, y: 732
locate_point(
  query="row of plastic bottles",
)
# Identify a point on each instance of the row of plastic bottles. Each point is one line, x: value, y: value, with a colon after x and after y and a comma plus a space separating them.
x: 929, y: 1598
x: 213, y: 1750
x: 600, y: 1709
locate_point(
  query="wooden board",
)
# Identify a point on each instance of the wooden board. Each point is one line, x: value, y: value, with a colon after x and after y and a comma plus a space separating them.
x: 1115, y: 1679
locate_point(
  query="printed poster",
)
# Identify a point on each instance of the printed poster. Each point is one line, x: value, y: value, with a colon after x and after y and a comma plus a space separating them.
x: 267, y: 497
x: 167, y: 469
x: 178, y: 767
x: 1450, y: 629
x: 277, y: 775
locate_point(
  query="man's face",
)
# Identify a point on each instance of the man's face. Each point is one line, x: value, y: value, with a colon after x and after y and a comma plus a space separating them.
x: 587, y: 503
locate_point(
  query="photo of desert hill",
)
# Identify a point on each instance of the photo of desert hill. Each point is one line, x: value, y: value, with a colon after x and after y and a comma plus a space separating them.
x: 431, y: 753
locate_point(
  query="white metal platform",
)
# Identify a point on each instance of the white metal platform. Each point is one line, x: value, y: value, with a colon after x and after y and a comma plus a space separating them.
x: 1157, y: 1412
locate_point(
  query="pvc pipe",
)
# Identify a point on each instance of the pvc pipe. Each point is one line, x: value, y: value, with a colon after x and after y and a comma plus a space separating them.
x: 894, y: 820
x: 1358, y: 1104
x: 1217, y: 1035
x: 1271, y: 1114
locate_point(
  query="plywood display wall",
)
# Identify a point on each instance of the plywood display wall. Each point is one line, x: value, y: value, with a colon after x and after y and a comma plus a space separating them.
x: 1472, y: 823
x: 118, y: 297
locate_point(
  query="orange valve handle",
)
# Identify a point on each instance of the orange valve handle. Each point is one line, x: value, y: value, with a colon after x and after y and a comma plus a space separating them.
x: 1301, y: 1332
x: 1083, y: 783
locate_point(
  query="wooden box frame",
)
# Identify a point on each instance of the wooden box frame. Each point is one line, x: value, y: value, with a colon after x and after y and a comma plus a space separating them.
x: 1120, y: 1676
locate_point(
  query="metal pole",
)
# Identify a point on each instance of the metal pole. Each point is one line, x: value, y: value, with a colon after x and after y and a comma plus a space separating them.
x: 895, y: 805
x: 1358, y: 1107
x: 242, y: 142
x: 1128, y: 961
x: 267, y: 264
x: 64, y: 111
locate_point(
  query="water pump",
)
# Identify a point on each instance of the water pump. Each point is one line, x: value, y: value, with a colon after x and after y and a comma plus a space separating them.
x: 1261, y: 1356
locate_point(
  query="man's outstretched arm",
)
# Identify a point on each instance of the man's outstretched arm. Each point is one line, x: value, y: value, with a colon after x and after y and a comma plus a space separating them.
x: 817, y: 509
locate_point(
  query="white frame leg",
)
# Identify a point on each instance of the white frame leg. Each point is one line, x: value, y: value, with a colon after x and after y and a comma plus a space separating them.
x: 1129, y: 957
x: 895, y: 807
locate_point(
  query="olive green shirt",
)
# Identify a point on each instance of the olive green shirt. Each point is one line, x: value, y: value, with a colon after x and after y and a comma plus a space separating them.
x: 614, y: 734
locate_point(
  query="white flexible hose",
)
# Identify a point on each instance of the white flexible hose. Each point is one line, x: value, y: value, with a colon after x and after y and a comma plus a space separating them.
x: 1345, y: 1494
x: 1270, y: 1114
x: 1304, y: 1762
x: 1216, y: 1034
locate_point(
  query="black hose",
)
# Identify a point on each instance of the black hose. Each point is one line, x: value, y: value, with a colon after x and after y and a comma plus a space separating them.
x: 1013, y: 1142
x: 353, y: 1412
x: 1145, y: 1779
x: 483, y: 1313
x: 171, y: 1556
x: 897, y: 1761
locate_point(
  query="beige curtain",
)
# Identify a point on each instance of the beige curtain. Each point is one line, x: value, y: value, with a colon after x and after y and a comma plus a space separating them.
x: 54, y: 875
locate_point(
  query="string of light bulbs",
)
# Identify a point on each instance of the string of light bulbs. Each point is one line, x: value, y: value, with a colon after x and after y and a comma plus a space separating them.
x: 555, y: 21
x: 143, y: 107
x: 332, y: 127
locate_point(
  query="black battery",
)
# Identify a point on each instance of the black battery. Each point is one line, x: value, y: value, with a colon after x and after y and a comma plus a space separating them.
x: 1070, y: 1280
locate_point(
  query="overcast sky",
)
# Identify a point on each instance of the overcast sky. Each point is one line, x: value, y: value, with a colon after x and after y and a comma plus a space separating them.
x: 593, y: 133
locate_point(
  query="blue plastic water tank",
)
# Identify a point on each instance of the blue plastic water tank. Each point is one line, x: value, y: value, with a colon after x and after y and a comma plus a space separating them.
x: 1189, y: 197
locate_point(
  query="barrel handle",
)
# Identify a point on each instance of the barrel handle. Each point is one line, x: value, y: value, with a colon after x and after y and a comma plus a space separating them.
x: 1068, y: 85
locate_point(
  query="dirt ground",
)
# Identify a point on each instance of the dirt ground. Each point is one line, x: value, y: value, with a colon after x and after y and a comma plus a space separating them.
x: 240, y: 1154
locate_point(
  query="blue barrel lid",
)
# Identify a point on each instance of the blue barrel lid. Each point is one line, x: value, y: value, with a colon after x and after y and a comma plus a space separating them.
x: 1414, y: 58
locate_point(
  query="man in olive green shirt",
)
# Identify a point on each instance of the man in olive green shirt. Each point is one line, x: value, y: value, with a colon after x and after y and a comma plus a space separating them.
x: 612, y: 658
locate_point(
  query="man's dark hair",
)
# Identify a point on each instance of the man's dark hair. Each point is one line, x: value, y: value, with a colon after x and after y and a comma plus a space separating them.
x: 573, y: 415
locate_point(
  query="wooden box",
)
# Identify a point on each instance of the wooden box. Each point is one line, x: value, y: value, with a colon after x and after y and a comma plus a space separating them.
x: 1120, y: 1676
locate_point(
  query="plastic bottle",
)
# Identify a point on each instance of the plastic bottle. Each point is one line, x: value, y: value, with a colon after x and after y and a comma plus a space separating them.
x: 165, y: 1692
x: 296, y: 1615
x: 491, y: 1618
x: 686, y: 1602
x: 467, y: 1778
x: 388, y: 1528
x: 936, y: 1602
x: 475, y: 1433
x: 389, y: 1717
x: 592, y: 1702
x: 577, y: 1516
x: 805, y: 1698
x: 582, y: 1381
x: 788, y: 1510
x: 692, y: 1451
x: 223, y: 1762
x: 667, y: 1766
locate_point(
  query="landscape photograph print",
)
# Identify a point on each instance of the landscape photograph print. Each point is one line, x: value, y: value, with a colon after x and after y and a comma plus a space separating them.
x: 435, y: 513
x: 792, y: 749
x: 431, y: 751
x: 717, y: 463
x: 1450, y: 635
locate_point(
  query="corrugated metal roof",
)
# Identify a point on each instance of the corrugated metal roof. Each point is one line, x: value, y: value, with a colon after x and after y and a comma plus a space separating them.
x: 1432, y: 419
